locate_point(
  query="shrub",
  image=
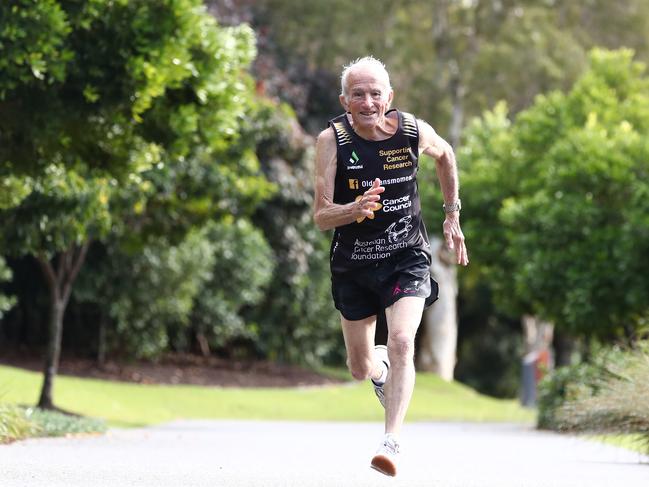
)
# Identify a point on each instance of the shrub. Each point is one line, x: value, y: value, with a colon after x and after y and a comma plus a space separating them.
x: 608, y: 395
x: 561, y: 385
x: 14, y: 424
x: 621, y: 403
x: 55, y: 423
x: 17, y: 423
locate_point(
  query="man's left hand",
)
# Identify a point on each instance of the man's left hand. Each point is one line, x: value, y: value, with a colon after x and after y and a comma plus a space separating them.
x: 455, y: 238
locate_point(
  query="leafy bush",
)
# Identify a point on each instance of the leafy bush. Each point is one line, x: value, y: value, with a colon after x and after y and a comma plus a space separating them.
x: 619, y: 405
x: 562, y: 385
x: 243, y: 267
x: 18, y: 423
x: 297, y: 320
x: 147, y: 293
x: 54, y: 423
x: 14, y: 424
x: 608, y: 395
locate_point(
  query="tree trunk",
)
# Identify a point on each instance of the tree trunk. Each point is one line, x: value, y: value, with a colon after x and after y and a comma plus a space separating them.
x: 564, y: 345
x: 457, y: 98
x: 537, y: 359
x: 101, y: 340
x: 55, y: 331
x: 203, y: 344
x: 59, y: 282
x: 438, y: 339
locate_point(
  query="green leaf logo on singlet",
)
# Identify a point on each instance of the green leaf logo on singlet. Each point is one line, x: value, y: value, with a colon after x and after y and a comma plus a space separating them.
x: 354, y: 158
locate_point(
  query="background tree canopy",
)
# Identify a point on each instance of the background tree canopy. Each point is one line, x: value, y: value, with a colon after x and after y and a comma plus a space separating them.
x: 154, y: 150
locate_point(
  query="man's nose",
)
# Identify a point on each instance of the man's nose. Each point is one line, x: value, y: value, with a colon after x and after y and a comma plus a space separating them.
x: 367, y: 99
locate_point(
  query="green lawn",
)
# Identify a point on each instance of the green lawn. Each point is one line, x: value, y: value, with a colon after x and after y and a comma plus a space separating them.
x: 124, y: 404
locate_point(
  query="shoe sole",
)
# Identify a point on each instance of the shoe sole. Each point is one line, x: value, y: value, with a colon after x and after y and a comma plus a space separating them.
x: 383, y: 464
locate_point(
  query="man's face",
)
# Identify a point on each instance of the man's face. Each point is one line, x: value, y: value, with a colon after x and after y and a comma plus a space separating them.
x: 368, y: 97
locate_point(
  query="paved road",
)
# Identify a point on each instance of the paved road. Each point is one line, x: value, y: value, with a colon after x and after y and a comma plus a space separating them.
x: 269, y: 454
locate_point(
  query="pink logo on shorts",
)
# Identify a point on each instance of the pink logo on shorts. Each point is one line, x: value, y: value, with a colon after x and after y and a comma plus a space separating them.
x: 397, y: 290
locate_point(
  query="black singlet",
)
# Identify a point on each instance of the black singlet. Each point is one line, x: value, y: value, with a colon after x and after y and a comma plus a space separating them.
x: 396, y: 224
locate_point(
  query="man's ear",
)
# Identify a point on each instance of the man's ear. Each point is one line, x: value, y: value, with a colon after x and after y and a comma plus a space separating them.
x: 390, y: 98
x: 343, y: 102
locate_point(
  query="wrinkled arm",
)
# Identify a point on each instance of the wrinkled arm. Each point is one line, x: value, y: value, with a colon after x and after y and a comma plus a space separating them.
x: 326, y: 213
x: 436, y: 147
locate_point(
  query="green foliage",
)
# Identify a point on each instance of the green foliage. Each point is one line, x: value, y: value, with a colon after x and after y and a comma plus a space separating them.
x: 148, y: 293
x: 297, y: 321
x: 14, y: 424
x: 55, y: 423
x: 62, y: 209
x: 17, y: 423
x: 13, y: 190
x: 561, y: 385
x: 561, y: 213
x: 149, y: 97
x: 609, y: 395
x: 242, y: 269
x: 122, y: 122
x: 476, y: 52
x: 488, y: 345
x: 32, y: 39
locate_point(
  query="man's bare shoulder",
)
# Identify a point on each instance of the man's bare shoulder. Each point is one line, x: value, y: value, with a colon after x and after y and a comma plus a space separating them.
x: 326, y: 137
x: 425, y: 128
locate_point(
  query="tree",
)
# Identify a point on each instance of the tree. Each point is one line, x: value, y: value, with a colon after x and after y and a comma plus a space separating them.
x: 580, y: 226
x: 105, y: 95
x: 567, y: 190
x: 58, y: 219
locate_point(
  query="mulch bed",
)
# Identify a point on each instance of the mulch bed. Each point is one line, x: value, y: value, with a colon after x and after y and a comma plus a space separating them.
x: 182, y: 369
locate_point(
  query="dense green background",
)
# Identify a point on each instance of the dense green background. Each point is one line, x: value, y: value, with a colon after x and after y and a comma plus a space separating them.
x: 159, y: 147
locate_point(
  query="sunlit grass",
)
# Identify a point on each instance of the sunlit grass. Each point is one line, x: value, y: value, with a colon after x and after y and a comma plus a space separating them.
x: 125, y: 404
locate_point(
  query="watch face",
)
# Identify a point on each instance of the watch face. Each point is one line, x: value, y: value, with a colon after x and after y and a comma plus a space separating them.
x: 456, y: 206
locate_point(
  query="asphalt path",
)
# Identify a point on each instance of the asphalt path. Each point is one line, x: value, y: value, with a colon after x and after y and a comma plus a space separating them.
x: 269, y: 454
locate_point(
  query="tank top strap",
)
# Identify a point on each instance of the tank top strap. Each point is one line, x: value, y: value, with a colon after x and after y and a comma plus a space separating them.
x: 343, y: 136
x: 410, y: 128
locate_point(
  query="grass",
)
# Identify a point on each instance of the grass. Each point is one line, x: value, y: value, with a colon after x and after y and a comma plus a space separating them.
x: 14, y: 424
x: 129, y: 405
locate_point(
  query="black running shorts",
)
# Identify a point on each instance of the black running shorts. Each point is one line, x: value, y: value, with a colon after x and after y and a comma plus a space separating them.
x: 363, y: 292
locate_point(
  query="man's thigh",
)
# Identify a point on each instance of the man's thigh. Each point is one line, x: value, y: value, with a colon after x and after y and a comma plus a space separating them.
x: 359, y: 337
x: 404, y: 316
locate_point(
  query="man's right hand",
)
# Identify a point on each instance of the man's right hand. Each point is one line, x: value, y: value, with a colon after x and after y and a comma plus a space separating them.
x: 367, y: 204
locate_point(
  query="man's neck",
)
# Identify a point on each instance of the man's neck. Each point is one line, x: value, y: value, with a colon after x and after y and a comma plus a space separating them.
x: 384, y: 129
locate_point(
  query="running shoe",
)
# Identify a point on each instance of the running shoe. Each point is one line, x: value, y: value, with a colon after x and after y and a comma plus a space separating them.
x: 385, y: 459
x: 381, y: 354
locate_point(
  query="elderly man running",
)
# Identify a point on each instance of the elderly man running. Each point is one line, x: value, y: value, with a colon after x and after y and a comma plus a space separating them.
x: 366, y: 189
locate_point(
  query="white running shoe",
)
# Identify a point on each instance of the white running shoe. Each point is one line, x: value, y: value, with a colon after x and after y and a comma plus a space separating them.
x: 381, y: 354
x: 385, y: 459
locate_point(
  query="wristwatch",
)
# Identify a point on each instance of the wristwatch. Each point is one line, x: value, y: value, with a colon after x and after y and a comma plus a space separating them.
x: 451, y: 207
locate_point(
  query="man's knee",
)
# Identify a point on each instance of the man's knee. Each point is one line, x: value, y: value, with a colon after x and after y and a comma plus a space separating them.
x: 360, y: 369
x: 401, y: 347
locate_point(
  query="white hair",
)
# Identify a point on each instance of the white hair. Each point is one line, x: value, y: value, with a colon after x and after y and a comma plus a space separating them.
x: 369, y: 61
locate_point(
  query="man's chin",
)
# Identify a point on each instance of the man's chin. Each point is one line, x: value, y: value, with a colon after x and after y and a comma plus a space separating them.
x: 364, y: 121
